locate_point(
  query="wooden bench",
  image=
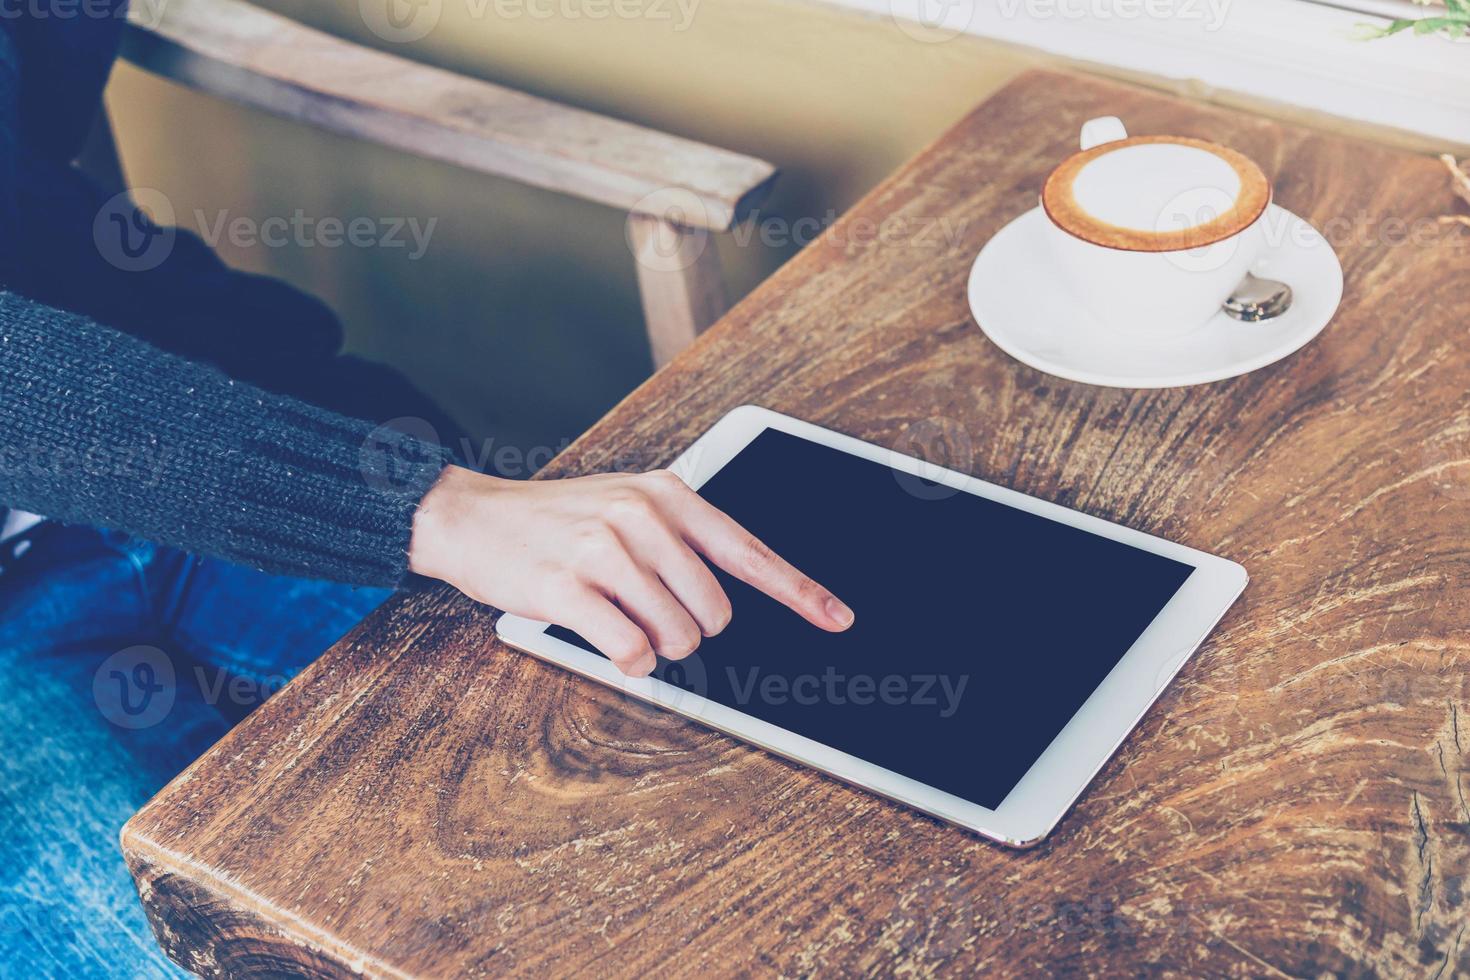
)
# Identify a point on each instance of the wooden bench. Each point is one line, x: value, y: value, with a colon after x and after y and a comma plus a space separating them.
x: 676, y: 191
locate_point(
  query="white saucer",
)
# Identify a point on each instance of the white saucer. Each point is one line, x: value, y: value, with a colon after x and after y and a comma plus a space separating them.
x: 1030, y: 314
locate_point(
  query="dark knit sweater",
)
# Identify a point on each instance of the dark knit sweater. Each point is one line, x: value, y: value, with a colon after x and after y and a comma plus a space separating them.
x: 108, y: 415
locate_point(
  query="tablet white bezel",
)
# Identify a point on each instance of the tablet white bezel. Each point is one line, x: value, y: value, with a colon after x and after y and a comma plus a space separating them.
x: 1068, y: 764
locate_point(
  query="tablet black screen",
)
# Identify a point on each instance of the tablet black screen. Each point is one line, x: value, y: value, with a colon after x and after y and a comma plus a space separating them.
x: 980, y: 629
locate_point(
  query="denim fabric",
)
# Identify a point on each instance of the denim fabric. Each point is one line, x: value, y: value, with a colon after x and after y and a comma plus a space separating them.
x: 122, y: 662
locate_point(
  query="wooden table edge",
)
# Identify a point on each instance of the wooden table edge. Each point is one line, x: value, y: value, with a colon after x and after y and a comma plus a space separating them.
x: 148, y: 860
x: 148, y: 863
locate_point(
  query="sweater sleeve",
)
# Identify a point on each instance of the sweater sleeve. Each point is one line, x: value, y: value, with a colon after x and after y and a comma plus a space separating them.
x: 101, y: 428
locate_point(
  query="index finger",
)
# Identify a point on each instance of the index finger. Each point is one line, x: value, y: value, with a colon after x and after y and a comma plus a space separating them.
x: 720, y: 538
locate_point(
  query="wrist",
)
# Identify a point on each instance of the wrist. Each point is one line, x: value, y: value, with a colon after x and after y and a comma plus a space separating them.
x: 437, y: 541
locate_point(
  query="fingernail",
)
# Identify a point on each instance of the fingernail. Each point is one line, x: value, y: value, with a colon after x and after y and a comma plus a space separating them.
x: 838, y: 612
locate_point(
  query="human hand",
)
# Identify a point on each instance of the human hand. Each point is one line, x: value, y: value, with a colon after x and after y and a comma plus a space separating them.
x: 615, y: 558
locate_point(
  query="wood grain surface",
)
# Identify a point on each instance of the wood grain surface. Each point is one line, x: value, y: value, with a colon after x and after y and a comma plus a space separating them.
x: 424, y: 801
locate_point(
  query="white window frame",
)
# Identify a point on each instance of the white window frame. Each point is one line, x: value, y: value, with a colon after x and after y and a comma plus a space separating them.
x: 1299, y: 52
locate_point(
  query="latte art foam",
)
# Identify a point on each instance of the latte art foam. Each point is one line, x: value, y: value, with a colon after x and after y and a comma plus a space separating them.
x: 1155, y: 193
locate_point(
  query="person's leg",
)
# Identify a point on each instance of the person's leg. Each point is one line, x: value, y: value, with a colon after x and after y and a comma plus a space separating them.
x: 242, y: 634
x: 121, y: 659
x: 91, y: 726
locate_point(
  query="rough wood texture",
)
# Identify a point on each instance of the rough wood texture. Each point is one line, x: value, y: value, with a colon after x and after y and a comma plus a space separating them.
x: 425, y: 801
x: 238, y: 51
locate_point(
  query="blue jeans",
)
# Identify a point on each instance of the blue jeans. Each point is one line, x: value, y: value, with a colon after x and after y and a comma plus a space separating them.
x: 123, y: 661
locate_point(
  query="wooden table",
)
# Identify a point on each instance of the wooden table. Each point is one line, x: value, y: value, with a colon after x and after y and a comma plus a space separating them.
x: 424, y: 801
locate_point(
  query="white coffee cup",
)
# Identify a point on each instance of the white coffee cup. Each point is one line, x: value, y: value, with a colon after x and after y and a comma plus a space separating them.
x: 1153, y: 233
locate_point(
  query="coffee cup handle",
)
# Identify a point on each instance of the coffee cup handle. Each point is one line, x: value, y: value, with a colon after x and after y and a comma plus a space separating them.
x: 1103, y: 129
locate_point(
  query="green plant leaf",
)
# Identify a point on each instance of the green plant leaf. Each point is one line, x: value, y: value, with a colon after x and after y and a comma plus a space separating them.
x: 1429, y: 25
x: 1454, y: 24
x: 1371, y: 32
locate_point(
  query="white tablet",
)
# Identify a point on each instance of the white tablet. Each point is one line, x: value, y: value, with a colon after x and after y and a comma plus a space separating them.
x: 1003, y: 647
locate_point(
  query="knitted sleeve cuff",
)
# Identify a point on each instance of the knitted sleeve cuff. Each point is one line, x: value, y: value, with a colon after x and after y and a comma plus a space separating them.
x: 311, y: 491
x: 100, y: 428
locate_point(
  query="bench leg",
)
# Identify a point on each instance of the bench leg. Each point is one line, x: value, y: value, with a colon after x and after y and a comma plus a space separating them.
x: 678, y: 280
